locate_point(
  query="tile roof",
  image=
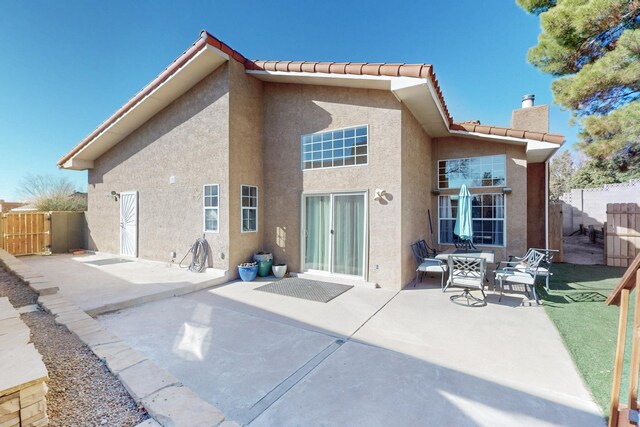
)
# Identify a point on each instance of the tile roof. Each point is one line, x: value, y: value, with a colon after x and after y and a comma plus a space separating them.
x: 353, y: 68
x: 509, y: 132
x: 424, y: 71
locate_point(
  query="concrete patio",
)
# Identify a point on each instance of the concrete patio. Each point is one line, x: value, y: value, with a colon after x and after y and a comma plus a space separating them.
x: 100, y: 283
x: 369, y: 357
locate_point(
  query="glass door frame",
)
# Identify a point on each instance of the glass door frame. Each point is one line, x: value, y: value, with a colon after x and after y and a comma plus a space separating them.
x: 303, y: 229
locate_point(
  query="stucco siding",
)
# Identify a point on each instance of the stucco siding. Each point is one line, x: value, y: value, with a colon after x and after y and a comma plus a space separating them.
x: 245, y: 160
x: 535, y: 206
x: 416, y: 196
x: 187, y: 140
x: 293, y: 110
x: 516, y: 171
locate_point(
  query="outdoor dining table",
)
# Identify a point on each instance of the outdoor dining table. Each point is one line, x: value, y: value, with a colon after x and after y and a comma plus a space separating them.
x: 488, y: 255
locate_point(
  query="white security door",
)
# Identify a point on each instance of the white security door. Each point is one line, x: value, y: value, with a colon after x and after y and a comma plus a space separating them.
x: 129, y: 224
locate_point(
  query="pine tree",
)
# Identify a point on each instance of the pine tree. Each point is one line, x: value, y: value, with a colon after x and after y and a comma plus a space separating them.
x: 593, y: 47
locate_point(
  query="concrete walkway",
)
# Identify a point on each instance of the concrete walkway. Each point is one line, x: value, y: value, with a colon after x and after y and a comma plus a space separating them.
x: 101, y: 283
x: 370, y: 357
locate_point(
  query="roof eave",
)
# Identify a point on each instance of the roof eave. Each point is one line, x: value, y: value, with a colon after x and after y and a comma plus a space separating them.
x: 537, y: 151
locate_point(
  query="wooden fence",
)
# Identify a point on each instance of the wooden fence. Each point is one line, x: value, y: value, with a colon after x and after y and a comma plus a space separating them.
x: 555, y: 230
x: 26, y: 233
x: 622, y: 233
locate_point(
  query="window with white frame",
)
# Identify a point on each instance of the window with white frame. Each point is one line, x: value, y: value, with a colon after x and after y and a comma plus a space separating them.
x: 342, y: 147
x: 249, y: 207
x: 211, y: 208
x: 485, y: 171
x: 487, y: 211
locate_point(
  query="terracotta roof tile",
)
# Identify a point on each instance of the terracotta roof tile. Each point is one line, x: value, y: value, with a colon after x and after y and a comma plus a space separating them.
x: 424, y: 71
x: 501, y: 131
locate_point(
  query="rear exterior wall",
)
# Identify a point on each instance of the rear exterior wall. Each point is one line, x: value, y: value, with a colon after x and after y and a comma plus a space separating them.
x: 189, y: 140
x: 515, y: 203
x: 416, y: 167
x: 293, y: 110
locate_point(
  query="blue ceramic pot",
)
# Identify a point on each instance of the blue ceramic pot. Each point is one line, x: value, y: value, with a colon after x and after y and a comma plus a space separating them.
x: 248, y: 274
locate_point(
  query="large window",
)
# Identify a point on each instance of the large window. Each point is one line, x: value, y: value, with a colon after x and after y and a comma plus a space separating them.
x: 487, y: 211
x: 211, y: 210
x: 249, y: 207
x: 486, y: 171
x: 344, y: 147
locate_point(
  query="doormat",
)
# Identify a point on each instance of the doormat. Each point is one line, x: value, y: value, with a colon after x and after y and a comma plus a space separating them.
x: 312, y: 290
x: 109, y: 261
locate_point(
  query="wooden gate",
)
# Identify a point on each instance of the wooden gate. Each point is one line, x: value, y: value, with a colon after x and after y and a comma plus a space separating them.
x: 26, y: 233
x: 555, y: 230
x: 623, y: 233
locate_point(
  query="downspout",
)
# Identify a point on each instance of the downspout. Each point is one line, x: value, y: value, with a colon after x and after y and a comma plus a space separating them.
x: 546, y: 204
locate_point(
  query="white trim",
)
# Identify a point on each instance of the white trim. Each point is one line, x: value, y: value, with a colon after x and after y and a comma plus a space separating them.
x: 302, y: 161
x: 204, y: 209
x: 504, y: 220
x: 466, y: 158
x: 250, y: 208
x: 546, y: 205
x: 365, y: 243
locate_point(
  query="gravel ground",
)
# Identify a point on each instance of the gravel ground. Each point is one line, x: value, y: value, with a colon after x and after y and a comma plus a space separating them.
x: 82, y: 391
x: 12, y: 288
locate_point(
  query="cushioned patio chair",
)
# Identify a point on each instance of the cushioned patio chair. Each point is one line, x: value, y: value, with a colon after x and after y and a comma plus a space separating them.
x: 467, y: 273
x: 426, y: 250
x: 524, y: 274
x: 544, y: 268
x: 427, y: 265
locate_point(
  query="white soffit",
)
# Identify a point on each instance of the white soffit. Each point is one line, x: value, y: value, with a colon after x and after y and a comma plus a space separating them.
x: 197, y: 68
x: 417, y: 94
x: 537, y: 151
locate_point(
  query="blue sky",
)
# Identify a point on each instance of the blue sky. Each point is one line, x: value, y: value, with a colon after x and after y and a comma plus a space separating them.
x: 69, y: 65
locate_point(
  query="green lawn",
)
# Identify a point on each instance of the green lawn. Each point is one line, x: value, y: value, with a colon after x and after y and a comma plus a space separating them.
x: 587, y: 325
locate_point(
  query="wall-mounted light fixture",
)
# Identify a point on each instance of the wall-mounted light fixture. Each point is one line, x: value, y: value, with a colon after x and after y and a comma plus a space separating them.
x: 435, y: 191
x: 116, y: 196
x: 506, y: 190
x: 379, y: 194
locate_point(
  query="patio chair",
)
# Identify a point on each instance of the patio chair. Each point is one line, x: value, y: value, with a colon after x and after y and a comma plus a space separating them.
x: 544, y: 269
x: 467, y: 273
x: 426, y: 250
x: 427, y: 265
x: 524, y: 274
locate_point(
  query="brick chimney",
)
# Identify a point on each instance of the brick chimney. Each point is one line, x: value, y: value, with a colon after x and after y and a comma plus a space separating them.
x: 530, y: 117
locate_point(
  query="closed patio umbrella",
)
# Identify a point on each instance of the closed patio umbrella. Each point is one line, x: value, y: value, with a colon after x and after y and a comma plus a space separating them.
x: 464, y: 224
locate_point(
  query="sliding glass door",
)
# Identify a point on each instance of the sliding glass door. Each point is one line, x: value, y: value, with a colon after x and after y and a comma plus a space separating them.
x: 334, y: 233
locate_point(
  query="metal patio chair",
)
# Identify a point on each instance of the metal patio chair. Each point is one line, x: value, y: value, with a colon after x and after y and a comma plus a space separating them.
x: 524, y: 274
x: 544, y: 268
x: 426, y: 250
x: 467, y: 273
x: 427, y: 265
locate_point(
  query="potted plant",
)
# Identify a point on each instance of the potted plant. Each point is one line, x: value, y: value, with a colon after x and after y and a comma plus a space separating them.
x: 264, y: 261
x: 279, y: 270
x: 248, y: 271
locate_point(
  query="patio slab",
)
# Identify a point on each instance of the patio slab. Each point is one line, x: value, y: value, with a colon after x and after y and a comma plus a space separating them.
x: 100, y: 283
x: 369, y: 357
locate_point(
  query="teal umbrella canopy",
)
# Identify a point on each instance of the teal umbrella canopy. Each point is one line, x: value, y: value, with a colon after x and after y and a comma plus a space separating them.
x: 464, y: 225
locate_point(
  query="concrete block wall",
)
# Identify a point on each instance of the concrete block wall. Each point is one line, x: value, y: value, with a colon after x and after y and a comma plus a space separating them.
x: 588, y: 206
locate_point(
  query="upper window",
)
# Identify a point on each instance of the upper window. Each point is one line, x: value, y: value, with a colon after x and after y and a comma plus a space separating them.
x: 249, y: 208
x: 344, y: 147
x: 211, y: 211
x: 487, y: 212
x: 486, y: 171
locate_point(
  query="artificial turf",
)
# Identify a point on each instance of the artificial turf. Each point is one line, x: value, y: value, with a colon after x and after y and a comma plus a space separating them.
x: 587, y: 325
